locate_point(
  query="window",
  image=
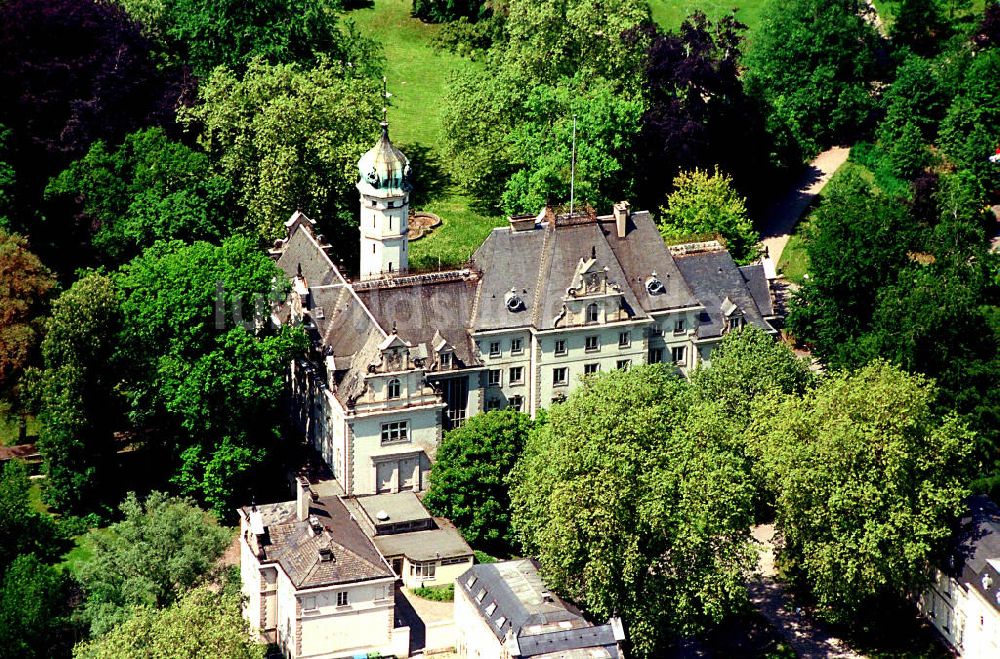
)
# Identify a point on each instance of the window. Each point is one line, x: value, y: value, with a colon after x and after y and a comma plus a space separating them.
x: 515, y: 403
x: 677, y: 354
x: 679, y: 326
x: 592, y: 313
x: 493, y: 377
x: 491, y: 609
x: 424, y: 570
x: 624, y: 339
x: 560, y: 347
x: 393, y: 388
x: 516, y: 346
x: 481, y: 595
x: 517, y: 375
x: 559, y: 377
x: 494, y: 349
x: 592, y: 343
x: 591, y: 369
x: 445, y: 360
x: 342, y: 598
x: 655, y: 355
x: 395, y: 432
x: 471, y: 582
x: 736, y: 322
x: 308, y: 603
x: 501, y: 621
x: 492, y: 404
x: 623, y: 364
x: 456, y: 561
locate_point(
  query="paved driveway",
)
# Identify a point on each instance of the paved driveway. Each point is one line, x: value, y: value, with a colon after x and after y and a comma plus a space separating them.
x: 783, y: 215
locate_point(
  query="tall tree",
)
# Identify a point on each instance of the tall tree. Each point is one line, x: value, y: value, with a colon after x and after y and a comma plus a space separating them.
x: 867, y: 480
x: 34, y: 608
x: 25, y: 284
x: 210, y: 33
x: 162, y: 547
x: 150, y: 188
x: 859, y: 243
x: 202, y: 367
x: 72, y: 71
x: 812, y: 63
x: 704, y: 203
x: 79, y: 407
x: 469, y: 480
x: 697, y: 113
x: 289, y: 137
x: 636, y: 506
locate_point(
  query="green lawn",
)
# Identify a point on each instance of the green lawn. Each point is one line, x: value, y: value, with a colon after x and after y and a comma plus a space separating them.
x: 671, y: 13
x: 794, y: 261
x: 9, y: 424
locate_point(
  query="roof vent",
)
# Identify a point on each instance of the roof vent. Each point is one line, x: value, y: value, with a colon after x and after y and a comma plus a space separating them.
x: 382, y: 516
x: 513, y: 301
x: 326, y: 555
x: 654, y: 286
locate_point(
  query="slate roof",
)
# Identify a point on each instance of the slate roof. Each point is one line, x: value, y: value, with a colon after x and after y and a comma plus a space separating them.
x: 976, y: 549
x: 421, y: 310
x: 294, y: 546
x: 539, y: 264
x: 540, y: 621
x: 714, y: 276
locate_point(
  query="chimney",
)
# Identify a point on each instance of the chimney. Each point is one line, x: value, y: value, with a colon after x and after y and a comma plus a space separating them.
x: 303, y: 497
x: 621, y: 217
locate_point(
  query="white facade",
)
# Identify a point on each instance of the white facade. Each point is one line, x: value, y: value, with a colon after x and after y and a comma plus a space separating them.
x: 962, y: 615
x: 385, y: 208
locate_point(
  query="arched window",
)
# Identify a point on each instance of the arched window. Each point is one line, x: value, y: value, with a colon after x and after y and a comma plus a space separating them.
x: 393, y: 388
x: 592, y: 313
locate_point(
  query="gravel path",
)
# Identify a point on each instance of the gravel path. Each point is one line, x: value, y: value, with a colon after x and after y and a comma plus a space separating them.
x: 782, y: 217
x: 807, y: 638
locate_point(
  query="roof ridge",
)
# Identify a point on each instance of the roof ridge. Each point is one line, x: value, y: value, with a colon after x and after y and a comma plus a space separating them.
x: 543, y: 268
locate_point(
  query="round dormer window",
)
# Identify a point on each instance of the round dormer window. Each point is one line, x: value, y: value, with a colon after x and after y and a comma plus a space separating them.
x: 514, y: 302
x: 987, y: 582
x: 654, y: 286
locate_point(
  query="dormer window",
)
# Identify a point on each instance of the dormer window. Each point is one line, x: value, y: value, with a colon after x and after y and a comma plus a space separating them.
x: 393, y: 389
x: 445, y: 360
x: 592, y: 313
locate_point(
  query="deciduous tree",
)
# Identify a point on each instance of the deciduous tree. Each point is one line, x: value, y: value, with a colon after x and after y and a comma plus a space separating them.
x: 867, y: 480
x: 34, y: 607
x: 25, y: 284
x: 150, y: 188
x: 469, y: 480
x: 162, y: 547
x: 704, y: 203
x: 636, y: 505
x: 289, y: 137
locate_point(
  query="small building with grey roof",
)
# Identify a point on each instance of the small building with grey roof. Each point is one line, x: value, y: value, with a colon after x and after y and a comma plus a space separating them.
x: 505, y: 610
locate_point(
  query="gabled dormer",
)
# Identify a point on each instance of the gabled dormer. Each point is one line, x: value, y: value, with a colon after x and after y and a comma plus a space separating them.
x: 395, y: 354
x: 733, y: 317
x: 444, y: 353
x: 591, y: 299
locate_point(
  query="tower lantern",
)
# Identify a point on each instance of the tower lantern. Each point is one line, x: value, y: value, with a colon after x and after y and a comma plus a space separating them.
x: 384, y: 184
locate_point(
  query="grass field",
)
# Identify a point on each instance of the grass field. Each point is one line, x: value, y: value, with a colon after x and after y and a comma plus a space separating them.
x: 671, y: 13
x: 10, y: 424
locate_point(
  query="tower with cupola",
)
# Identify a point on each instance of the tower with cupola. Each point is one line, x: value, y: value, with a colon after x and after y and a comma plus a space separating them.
x: 384, y: 184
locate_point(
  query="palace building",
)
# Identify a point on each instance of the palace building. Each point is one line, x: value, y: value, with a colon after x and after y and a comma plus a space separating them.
x: 398, y: 357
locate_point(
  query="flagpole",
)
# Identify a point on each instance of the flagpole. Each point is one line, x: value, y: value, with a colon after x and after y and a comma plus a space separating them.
x: 572, y: 171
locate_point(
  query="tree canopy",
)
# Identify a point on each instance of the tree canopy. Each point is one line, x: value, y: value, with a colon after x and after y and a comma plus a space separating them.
x: 812, y: 63
x: 469, y: 479
x: 25, y: 285
x: 867, y: 482
x: 288, y: 138
x: 150, y: 188
x: 162, y: 547
x: 636, y: 506
x: 34, y: 608
x: 704, y: 204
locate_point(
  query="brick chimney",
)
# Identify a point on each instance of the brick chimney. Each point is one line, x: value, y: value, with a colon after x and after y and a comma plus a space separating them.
x: 303, y: 497
x: 621, y: 217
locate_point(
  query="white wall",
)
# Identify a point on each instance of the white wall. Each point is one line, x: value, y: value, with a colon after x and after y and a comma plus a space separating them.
x: 473, y: 637
x: 963, y: 617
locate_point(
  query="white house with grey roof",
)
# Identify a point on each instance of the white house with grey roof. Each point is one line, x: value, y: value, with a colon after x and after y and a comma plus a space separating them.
x: 398, y: 357
x: 504, y: 611
x: 963, y: 601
